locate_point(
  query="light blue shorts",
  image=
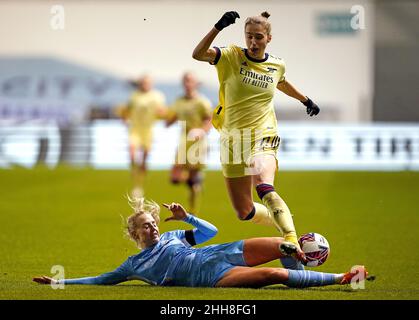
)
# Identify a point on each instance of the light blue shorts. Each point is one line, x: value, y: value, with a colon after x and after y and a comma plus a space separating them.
x: 217, y: 260
x: 204, y: 267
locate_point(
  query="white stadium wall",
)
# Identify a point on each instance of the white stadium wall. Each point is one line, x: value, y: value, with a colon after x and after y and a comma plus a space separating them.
x: 326, y: 146
x: 127, y: 38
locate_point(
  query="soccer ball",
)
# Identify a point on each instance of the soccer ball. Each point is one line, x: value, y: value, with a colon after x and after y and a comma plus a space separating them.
x: 315, y: 247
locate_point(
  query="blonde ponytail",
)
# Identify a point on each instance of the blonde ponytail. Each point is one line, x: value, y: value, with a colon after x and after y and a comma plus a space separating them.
x: 140, y: 206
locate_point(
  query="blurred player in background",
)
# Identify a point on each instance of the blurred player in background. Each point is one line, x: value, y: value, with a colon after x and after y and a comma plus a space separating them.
x: 145, y: 106
x: 193, y: 111
x: 248, y: 80
x: 169, y: 259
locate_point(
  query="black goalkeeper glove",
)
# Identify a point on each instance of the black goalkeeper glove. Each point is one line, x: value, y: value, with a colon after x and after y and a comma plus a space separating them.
x: 312, y: 108
x: 227, y: 19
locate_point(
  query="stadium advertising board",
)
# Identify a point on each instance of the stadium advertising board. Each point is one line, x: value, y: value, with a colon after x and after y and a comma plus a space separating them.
x: 104, y: 145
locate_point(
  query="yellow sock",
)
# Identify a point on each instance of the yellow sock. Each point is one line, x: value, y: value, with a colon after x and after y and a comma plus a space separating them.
x: 262, y: 215
x: 281, y: 216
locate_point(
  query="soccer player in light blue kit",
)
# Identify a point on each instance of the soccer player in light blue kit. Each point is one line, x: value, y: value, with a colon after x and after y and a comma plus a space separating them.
x: 170, y: 259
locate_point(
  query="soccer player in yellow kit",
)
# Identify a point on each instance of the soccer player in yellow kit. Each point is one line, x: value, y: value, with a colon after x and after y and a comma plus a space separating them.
x: 245, y: 118
x: 194, y: 113
x: 145, y: 106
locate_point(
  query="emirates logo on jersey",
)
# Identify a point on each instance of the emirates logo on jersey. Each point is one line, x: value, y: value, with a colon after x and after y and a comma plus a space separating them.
x: 256, y: 79
x: 271, y: 69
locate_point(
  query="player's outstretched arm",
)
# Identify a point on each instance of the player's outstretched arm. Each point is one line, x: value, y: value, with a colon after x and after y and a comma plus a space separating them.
x: 119, y: 275
x: 202, y: 51
x: 104, y: 279
x: 203, y: 229
x: 287, y: 88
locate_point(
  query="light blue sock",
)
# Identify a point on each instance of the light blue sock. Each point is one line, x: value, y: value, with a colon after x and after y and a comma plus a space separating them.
x: 291, y: 263
x: 303, y: 279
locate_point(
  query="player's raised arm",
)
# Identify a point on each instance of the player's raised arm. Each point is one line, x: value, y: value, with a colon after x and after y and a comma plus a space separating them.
x: 287, y: 88
x: 203, y: 52
x: 203, y: 229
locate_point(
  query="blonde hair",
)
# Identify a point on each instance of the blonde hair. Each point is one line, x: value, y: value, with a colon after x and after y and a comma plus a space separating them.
x: 140, y: 206
x: 262, y: 20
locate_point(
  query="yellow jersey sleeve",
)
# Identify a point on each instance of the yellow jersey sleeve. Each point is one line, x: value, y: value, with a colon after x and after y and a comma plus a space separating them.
x: 282, y: 72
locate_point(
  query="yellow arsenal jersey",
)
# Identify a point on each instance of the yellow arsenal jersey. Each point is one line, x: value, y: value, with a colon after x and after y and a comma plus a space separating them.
x: 142, y: 109
x: 193, y: 111
x: 247, y: 88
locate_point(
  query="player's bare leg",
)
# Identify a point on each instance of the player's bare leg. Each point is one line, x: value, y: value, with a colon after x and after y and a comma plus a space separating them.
x: 195, y: 186
x: 240, y: 193
x: 249, y: 277
x: 257, y: 251
x: 135, y: 192
x: 138, y: 157
x: 143, y: 169
x: 265, y: 166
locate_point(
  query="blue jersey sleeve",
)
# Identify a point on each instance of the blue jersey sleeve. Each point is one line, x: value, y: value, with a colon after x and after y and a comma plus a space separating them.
x: 119, y: 275
x: 203, y: 231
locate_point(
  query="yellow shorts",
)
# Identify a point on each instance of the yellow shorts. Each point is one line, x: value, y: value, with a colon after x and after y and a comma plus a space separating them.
x: 141, y: 139
x: 192, y: 154
x: 236, y: 156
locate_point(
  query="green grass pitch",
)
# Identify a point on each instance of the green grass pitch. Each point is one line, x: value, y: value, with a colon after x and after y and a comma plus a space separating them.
x: 71, y: 217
